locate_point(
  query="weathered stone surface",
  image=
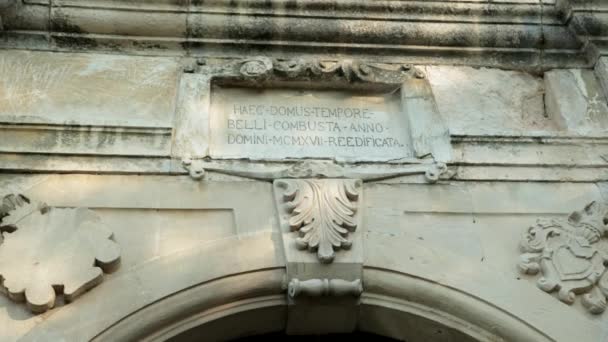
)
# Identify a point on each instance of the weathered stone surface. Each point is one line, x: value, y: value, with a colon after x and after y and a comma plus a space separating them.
x: 73, y: 138
x: 279, y: 123
x: 323, y: 216
x: 575, y: 101
x: 449, y: 234
x: 569, y: 256
x: 322, y: 212
x: 488, y: 101
x: 48, y: 251
x: 601, y: 72
x: 422, y: 239
x: 429, y: 130
x: 161, y: 219
x: 461, y: 235
x: 87, y: 89
x: 324, y: 287
x: 192, y: 117
x: 499, y: 33
x: 84, y: 103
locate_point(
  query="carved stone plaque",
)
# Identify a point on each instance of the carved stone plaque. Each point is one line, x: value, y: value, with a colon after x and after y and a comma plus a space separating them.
x: 290, y: 123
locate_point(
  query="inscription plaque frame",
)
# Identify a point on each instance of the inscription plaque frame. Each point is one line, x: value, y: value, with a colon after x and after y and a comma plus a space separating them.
x: 427, y: 133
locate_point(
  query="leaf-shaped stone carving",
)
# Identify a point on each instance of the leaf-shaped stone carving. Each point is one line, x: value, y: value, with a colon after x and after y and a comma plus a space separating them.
x: 323, y: 212
x: 53, y: 251
x: 17, y: 205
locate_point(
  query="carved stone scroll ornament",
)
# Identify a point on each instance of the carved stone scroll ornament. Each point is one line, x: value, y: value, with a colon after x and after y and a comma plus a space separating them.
x: 568, y: 255
x: 46, y: 251
x: 196, y: 168
x: 347, y: 69
x: 315, y: 169
x: 322, y: 211
x: 324, y: 287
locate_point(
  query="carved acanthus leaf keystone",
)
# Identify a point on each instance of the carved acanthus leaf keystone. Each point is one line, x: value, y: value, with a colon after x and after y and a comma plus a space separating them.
x: 567, y: 254
x: 322, y: 211
x: 45, y: 251
x: 324, y: 287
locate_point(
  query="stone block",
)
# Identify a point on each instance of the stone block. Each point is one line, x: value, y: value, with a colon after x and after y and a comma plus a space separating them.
x: 488, y: 101
x: 86, y: 103
x: 191, y: 130
x: 601, y: 72
x: 430, y: 135
x: 575, y: 101
x: 87, y: 89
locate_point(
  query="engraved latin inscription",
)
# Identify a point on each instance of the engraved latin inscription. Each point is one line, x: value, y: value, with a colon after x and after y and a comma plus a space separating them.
x: 285, y: 123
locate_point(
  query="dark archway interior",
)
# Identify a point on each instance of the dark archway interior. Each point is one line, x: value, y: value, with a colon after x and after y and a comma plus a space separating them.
x: 315, y: 338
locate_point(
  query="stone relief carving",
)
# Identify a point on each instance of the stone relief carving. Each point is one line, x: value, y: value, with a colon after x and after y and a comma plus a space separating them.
x: 350, y: 70
x: 322, y: 211
x: 45, y: 251
x: 16, y: 204
x: 196, y: 168
x: 255, y: 67
x: 324, y: 287
x: 315, y: 169
x: 567, y: 254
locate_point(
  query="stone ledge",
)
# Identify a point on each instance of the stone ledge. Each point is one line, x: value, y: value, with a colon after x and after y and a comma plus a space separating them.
x: 508, y: 34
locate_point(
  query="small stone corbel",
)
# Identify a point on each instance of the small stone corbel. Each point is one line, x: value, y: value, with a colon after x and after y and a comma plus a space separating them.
x: 194, y: 167
x: 324, y: 287
x: 435, y: 172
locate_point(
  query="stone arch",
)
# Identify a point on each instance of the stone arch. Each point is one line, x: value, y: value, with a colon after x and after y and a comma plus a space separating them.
x: 382, y: 313
x: 247, y: 285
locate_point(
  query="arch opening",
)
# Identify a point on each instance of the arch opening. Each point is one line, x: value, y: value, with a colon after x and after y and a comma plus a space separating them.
x: 394, y: 306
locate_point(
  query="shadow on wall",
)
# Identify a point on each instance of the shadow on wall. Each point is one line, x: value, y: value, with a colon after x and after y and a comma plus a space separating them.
x: 313, y: 338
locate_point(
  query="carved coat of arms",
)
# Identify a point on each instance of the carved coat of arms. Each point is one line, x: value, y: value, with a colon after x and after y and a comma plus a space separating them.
x: 570, y: 256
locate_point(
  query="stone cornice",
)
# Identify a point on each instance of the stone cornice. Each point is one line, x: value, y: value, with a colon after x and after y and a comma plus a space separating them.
x: 515, y: 33
x: 588, y: 19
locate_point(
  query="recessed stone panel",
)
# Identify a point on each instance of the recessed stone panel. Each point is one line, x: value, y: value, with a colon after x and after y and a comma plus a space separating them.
x: 87, y: 89
x: 292, y: 123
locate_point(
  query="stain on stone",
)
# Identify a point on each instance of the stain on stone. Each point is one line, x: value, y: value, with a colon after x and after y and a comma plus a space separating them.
x: 47, y: 141
x: 86, y: 136
x: 80, y: 43
x: 189, y: 45
x: 268, y: 4
x: 148, y: 45
x: 61, y: 24
x: 291, y: 5
x: 105, y: 139
x: 69, y: 138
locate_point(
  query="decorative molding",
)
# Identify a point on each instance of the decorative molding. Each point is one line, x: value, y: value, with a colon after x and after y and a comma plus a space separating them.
x: 315, y: 169
x: 434, y: 31
x: 84, y: 139
x: 324, y: 287
x: 46, y: 251
x: 322, y: 211
x: 568, y: 255
x: 260, y: 68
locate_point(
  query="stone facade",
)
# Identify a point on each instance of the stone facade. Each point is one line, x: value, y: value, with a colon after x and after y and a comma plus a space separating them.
x: 208, y: 170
